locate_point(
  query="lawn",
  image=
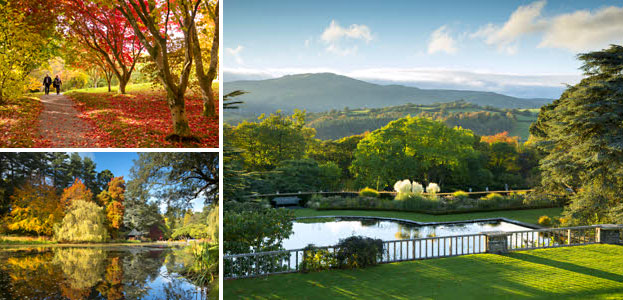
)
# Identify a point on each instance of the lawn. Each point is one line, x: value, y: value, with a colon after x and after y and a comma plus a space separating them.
x: 19, y: 123
x: 582, y: 272
x: 526, y: 215
x: 141, y: 118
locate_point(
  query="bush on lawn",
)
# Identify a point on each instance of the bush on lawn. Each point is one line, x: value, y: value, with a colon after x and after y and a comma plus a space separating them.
x: 545, y: 221
x: 359, y: 252
x: 315, y: 259
x: 368, y: 192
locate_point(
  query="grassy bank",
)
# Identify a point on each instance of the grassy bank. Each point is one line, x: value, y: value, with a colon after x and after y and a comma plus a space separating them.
x: 141, y: 118
x: 19, y: 123
x: 583, y: 272
x: 527, y: 215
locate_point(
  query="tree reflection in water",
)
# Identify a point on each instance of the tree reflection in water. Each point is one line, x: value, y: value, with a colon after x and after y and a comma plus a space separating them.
x: 92, y: 273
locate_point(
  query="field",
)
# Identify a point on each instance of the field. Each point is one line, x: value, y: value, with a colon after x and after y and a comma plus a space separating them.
x: 582, y: 272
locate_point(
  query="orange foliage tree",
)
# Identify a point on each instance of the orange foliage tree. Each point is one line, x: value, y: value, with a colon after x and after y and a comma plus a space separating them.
x: 77, y: 191
x: 501, y: 137
x: 112, y: 200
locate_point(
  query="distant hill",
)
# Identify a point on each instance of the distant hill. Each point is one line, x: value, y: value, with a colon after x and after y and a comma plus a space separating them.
x: 326, y: 91
x: 482, y: 121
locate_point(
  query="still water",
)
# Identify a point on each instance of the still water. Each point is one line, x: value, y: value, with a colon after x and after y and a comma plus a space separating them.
x: 126, y: 272
x: 329, y: 231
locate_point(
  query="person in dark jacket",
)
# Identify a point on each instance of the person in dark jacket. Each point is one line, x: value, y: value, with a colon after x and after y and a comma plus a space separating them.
x: 57, y: 84
x: 47, y: 81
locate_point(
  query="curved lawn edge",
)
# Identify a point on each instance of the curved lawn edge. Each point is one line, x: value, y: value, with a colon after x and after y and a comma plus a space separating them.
x: 526, y: 217
x: 501, y: 219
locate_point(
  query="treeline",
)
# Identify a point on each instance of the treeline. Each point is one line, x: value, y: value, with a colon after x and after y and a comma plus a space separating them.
x: 280, y: 154
x: 481, y: 120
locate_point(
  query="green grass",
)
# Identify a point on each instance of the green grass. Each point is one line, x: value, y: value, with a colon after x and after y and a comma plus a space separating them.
x: 129, y: 88
x: 582, y: 272
x: 527, y: 215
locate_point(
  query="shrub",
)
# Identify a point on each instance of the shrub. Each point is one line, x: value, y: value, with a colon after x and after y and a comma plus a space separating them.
x: 369, y: 192
x: 417, y: 188
x: 403, y: 186
x: 432, y: 188
x: 460, y: 194
x: 359, y: 252
x: 315, y: 259
x: 493, y: 197
x: 545, y: 221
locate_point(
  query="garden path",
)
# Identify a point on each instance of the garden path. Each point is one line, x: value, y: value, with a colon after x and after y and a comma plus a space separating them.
x: 60, y: 124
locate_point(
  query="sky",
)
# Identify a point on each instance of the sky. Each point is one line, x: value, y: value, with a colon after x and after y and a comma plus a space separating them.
x: 520, y: 48
x: 120, y: 163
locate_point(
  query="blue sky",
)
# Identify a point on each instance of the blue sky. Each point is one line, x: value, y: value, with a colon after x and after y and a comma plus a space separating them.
x: 120, y: 163
x: 522, y: 48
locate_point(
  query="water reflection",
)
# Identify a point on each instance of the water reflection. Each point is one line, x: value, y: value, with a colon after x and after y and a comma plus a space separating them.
x: 94, y: 273
x: 329, y: 233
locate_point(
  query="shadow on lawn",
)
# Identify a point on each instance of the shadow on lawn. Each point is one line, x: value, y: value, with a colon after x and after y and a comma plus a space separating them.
x: 568, y: 266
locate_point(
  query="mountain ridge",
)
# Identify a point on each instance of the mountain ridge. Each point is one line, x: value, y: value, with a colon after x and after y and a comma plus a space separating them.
x: 316, y: 92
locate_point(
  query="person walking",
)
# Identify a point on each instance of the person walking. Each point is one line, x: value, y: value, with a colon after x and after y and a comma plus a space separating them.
x: 57, y: 84
x: 47, y: 81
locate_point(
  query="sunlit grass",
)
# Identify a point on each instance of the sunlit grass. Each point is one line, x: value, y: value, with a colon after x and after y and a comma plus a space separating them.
x: 24, y: 240
x: 583, y: 272
x: 526, y: 215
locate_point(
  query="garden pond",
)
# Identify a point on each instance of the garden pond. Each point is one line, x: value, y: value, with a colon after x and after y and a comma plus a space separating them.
x: 328, y: 231
x: 118, y: 272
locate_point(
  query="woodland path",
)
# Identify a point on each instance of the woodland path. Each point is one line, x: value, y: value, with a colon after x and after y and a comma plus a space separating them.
x: 59, y: 123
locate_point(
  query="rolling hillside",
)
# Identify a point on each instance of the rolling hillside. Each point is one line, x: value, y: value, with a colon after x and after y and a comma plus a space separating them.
x: 482, y: 121
x: 326, y: 91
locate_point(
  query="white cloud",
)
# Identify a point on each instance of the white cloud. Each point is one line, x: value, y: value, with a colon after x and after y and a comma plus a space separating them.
x: 585, y: 31
x: 441, y: 41
x: 335, y: 32
x: 236, y: 54
x: 340, y: 40
x: 577, y: 31
x: 525, y: 20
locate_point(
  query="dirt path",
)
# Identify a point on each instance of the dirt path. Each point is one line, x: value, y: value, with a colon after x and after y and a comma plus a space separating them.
x: 60, y: 124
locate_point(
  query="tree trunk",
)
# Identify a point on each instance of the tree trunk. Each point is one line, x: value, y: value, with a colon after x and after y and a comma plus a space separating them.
x: 205, y: 80
x: 181, y: 130
x: 123, y: 82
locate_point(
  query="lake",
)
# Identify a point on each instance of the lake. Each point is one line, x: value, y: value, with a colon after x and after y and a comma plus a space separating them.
x: 119, y: 272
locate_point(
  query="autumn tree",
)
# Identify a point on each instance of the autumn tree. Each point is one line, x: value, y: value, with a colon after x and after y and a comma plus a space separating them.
x: 35, y: 209
x: 205, y: 78
x: 77, y: 191
x: 113, y: 202
x: 155, y: 23
x: 20, y: 51
x: 104, y: 30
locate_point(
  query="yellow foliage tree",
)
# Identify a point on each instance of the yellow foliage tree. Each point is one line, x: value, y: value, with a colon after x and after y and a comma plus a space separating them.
x: 35, y: 209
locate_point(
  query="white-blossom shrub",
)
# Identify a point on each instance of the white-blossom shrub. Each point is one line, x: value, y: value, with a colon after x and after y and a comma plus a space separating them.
x: 417, y: 188
x: 403, y: 186
x: 432, y: 188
